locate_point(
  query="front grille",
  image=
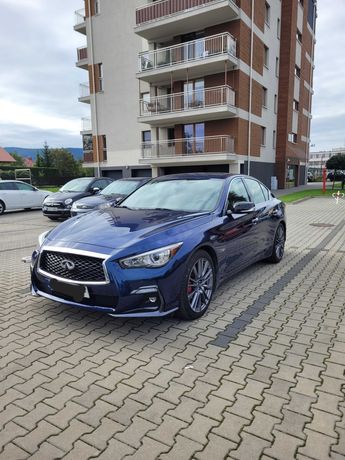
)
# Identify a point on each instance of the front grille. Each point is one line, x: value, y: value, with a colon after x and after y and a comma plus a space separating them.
x: 54, y: 204
x: 82, y: 268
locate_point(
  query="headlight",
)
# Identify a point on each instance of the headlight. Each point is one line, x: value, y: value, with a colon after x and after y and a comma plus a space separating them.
x: 42, y: 237
x: 152, y: 259
x: 68, y: 201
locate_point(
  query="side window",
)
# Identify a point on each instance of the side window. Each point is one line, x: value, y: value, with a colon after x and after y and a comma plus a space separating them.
x: 237, y: 192
x: 101, y: 184
x: 24, y: 187
x: 6, y: 186
x: 255, y: 191
x: 266, y: 192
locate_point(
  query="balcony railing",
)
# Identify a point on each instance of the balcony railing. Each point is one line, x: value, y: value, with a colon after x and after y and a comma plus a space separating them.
x: 195, y: 50
x: 164, y: 8
x: 82, y: 53
x: 84, y: 90
x: 188, y: 146
x: 86, y: 124
x: 192, y: 100
x: 79, y: 17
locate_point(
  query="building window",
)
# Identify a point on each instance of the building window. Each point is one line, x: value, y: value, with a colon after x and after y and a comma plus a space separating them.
x: 264, y: 97
x: 146, y: 138
x: 97, y: 6
x: 277, y: 67
x: 146, y: 102
x: 266, y: 56
x: 292, y: 137
x: 263, y: 136
x: 104, y: 145
x: 274, y: 140
x: 100, y: 77
x: 299, y: 36
x: 267, y: 13
x: 295, y: 105
x: 297, y: 71
x: 275, y: 103
x: 194, y: 135
x: 278, y: 28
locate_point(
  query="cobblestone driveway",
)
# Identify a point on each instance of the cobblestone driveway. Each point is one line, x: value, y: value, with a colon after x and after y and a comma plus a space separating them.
x: 260, y: 376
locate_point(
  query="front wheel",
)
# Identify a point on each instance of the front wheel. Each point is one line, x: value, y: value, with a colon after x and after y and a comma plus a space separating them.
x: 278, y: 245
x: 198, y: 286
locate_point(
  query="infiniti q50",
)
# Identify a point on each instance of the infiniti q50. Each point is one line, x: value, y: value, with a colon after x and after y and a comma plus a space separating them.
x: 164, y: 249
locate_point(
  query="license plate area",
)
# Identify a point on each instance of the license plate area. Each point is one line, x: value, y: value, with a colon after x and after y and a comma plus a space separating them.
x: 52, y: 208
x: 76, y: 292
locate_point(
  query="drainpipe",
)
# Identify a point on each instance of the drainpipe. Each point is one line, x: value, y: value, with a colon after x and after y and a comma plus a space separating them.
x: 309, y: 96
x: 250, y: 87
x: 94, y: 98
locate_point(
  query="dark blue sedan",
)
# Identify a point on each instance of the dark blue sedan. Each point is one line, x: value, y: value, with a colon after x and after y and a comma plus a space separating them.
x: 165, y: 249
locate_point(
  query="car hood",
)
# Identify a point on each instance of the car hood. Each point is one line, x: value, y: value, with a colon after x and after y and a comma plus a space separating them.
x: 97, y: 200
x: 62, y: 196
x: 112, y: 230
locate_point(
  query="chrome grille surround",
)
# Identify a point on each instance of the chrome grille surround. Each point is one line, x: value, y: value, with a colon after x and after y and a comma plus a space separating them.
x: 89, y: 269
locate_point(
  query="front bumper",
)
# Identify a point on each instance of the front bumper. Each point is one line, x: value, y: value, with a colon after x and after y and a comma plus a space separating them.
x: 61, y: 212
x: 128, y: 293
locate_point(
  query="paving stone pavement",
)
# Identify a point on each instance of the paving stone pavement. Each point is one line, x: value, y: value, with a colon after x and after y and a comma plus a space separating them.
x: 75, y: 384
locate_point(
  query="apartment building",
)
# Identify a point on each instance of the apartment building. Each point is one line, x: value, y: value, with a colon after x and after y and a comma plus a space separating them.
x: 198, y: 85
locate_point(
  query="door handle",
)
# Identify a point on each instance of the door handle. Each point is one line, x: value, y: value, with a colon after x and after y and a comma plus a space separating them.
x: 255, y: 220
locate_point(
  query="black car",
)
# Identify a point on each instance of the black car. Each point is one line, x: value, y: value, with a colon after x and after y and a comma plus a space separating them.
x: 59, y: 204
x: 339, y: 175
x: 110, y: 196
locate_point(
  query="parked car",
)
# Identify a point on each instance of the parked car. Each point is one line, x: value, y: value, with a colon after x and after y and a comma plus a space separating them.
x: 110, y: 196
x: 340, y: 175
x: 165, y: 248
x: 59, y: 204
x: 310, y: 176
x: 15, y: 194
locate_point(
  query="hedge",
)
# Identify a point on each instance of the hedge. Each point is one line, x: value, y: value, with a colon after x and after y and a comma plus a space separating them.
x: 39, y: 176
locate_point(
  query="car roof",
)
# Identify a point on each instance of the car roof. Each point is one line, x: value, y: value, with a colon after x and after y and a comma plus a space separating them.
x: 134, y: 179
x: 190, y: 176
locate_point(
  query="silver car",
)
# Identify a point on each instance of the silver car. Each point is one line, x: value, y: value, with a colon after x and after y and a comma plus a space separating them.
x: 15, y: 194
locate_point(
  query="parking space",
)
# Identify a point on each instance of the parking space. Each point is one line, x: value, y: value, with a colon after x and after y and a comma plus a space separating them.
x: 261, y: 375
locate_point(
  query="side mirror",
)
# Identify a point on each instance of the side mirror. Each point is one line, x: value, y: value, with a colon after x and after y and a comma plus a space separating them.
x: 243, y: 207
x: 95, y: 190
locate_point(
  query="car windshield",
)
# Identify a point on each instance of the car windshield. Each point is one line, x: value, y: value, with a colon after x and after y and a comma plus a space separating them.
x: 76, y: 185
x: 190, y: 195
x: 120, y: 187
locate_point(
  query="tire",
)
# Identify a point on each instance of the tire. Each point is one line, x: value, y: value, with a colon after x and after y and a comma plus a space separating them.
x: 2, y: 207
x: 195, y: 299
x: 52, y: 218
x: 278, y: 245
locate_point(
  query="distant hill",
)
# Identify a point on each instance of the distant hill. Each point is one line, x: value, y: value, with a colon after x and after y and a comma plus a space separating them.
x: 76, y: 152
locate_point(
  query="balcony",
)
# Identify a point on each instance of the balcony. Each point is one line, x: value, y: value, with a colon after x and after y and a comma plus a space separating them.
x: 176, y: 17
x: 86, y: 125
x: 209, y: 149
x: 82, y: 60
x: 201, y: 57
x: 84, y: 93
x: 199, y: 105
x: 80, y: 21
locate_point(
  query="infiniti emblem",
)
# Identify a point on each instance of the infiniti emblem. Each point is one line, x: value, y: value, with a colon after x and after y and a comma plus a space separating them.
x: 67, y: 265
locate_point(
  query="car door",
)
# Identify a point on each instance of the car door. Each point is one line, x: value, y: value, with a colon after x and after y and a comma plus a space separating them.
x: 235, y: 241
x: 9, y: 195
x: 262, y: 218
x: 30, y: 197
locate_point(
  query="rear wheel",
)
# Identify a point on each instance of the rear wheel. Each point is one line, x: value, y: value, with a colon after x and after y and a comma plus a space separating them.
x: 198, y: 286
x: 278, y: 245
x: 2, y: 207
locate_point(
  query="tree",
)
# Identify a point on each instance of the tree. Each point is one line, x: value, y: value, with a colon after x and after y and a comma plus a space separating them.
x: 64, y: 162
x: 46, y: 156
x: 336, y: 162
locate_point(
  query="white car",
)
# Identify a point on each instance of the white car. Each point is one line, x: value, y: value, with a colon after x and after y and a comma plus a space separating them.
x: 15, y: 194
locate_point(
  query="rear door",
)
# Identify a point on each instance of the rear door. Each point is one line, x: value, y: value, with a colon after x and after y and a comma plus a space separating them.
x: 9, y: 195
x: 29, y: 195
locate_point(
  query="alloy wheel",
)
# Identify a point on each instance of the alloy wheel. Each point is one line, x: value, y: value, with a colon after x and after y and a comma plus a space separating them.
x: 200, y: 285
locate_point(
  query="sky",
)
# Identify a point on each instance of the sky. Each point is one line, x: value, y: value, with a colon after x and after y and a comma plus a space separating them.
x: 39, y: 83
